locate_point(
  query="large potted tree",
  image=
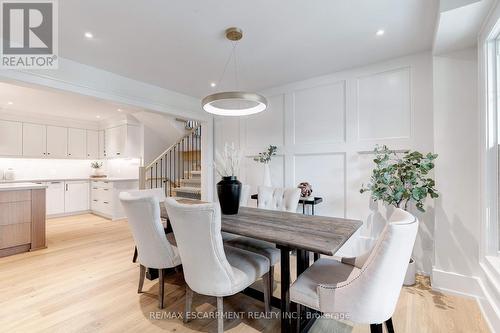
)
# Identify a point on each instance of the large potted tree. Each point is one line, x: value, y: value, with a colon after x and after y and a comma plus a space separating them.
x: 401, y: 181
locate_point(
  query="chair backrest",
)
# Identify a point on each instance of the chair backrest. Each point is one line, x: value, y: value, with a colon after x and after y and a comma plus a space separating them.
x: 151, y: 192
x: 143, y: 214
x: 371, y: 292
x: 245, y: 195
x: 285, y: 199
x: 197, y: 230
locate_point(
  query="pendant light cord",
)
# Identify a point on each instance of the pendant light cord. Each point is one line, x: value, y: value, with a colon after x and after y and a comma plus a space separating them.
x: 236, y: 83
x: 227, y: 63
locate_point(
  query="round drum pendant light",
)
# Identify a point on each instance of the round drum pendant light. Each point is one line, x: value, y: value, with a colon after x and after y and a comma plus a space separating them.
x: 234, y: 103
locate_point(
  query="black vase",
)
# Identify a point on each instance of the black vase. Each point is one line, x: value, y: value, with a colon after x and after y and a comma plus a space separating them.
x: 229, y: 190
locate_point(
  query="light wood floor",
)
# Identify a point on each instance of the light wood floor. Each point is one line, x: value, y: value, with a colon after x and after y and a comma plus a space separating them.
x: 85, y: 282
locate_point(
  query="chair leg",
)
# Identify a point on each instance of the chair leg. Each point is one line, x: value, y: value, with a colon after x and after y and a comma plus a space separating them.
x: 267, y: 292
x: 134, y: 258
x: 388, y: 324
x: 142, y: 275
x: 220, y: 315
x: 161, y: 284
x: 271, y: 279
x: 188, y: 305
x: 376, y: 328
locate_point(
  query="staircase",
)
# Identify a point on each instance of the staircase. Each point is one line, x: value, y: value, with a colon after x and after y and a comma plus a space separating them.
x: 178, y: 169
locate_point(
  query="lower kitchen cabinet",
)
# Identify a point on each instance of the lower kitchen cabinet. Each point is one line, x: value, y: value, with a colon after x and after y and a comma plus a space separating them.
x: 76, y: 196
x: 55, y: 197
x: 104, y: 197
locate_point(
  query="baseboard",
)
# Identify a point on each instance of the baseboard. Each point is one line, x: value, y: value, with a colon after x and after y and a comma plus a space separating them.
x: 468, y: 286
x: 53, y: 216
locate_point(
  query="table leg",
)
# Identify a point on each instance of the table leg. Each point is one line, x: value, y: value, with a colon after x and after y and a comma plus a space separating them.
x: 316, y: 256
x: 285, y: 289
x: 304, y: 208
x: 303, y: 262
x: 312, y: 208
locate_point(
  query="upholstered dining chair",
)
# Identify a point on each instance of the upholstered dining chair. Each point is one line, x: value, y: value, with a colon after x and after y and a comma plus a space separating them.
x: 282, y: 199
x: 363, y: 289
x: 155, y: 192
x: 210, y: 268
x: 285, y: 199
x: 155, y: 249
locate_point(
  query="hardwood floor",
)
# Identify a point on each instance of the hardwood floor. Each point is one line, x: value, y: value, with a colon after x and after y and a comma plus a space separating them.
x: 85, y: 282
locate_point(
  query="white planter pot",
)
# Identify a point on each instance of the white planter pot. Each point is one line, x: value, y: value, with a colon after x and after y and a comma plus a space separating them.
x: 267, y: 175
x: 410, y: 273
x: 97, y: 172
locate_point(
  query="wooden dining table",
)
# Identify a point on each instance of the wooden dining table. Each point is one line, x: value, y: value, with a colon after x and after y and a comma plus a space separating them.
x: 289, y: 231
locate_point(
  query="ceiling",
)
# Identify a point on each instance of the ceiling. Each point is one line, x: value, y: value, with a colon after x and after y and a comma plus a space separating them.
x: 180, y: 45
x: 58, y: 103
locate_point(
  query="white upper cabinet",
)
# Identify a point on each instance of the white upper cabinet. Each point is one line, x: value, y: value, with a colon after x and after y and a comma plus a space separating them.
x: 34, y: 140
x: 102, y: 147
x: 77, y: 145
x: 122, y: 141
x: 92, y: 144
x: 57, y: 141
x: 11, y: 138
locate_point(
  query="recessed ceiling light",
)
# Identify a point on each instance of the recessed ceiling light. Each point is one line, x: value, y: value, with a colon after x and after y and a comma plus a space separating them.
x: 98, y: 117
x: 10, y: 103
x: 380, y: 32
x: 119, y: 110
x: 213, y: 84
x: 89, y: 35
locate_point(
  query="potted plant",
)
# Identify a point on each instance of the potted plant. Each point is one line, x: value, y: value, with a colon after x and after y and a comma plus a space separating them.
x: 401, y: 180
x: 265, y: 158
x: 96, y: 169
x: 229, y: 188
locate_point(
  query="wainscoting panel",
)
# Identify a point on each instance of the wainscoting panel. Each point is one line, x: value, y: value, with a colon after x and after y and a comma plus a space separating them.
x: 266, y: 127
x: 319, y: 114
x: 326, y: 173
x: 384, y: 105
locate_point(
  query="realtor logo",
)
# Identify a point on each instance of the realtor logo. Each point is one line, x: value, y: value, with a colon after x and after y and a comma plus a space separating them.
x: 29, y: 34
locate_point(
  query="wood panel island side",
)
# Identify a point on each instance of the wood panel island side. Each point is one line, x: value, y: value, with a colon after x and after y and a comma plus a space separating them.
x: 22, y: 218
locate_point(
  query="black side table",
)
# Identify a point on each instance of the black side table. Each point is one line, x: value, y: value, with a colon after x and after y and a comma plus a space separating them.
x: 303, y: 201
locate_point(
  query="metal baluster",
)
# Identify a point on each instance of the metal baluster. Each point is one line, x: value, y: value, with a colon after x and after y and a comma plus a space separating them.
x: 175, y: 177
x: 161, y: 172
x: 151, y: 178
x: 170, y: 170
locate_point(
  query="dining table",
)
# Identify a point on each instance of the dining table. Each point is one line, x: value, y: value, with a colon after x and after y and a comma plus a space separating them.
x: 291, y: 232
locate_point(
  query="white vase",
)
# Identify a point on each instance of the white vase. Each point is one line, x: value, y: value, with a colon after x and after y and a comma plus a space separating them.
x: 97, y: 172
x: 410, y: 273
x: 267, y: 176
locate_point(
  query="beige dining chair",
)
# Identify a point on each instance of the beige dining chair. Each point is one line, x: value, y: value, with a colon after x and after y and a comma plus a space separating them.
x: 282, y: 199
x: 155, y: 192
x: 211, y: 268
x: 364, y: 289
x: 155, y: 249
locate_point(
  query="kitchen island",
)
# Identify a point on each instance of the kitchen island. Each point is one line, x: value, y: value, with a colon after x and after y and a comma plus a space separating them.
x: 22, y: 218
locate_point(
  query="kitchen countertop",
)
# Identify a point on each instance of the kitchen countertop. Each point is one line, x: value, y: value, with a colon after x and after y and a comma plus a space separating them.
x: 111, y: 179
x: 21, y: 186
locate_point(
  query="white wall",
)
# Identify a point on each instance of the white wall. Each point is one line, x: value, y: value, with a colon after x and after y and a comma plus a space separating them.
x: 456, y: 135
x: 160, y: 132
x: 324, y: 126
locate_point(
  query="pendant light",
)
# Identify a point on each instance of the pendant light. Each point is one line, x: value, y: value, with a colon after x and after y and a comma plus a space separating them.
x: 234, y: 103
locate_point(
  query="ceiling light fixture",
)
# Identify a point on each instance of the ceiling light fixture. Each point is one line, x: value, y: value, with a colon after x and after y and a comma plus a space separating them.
x: 380, y: 32
x: 10, y: 103
x: 119, y: 110
x: 89, y: 35
x: 98, y: 117
x: 233, y: 103
x: 213, y: 84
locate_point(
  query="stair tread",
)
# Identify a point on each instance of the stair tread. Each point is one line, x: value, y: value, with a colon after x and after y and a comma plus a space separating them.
x: 187, y: 189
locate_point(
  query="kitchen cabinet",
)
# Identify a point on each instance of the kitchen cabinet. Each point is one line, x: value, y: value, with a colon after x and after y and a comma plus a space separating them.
x: 92, y: 144
x: 102, y: 146
x: 104, y: 196
x: 34, y: 140
x: 11, y: 138
x: 55, y: 197
x: 76, y: 196
x: 122, y: 141
x: 57, y: 141
x: 77, y: 143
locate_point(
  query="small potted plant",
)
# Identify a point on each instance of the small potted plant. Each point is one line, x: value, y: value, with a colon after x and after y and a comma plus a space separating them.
x: 227, y: 166
x: 96, y: 169
x: 265, y: 158
x: 401, y: 180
